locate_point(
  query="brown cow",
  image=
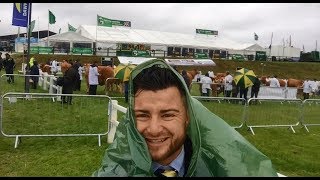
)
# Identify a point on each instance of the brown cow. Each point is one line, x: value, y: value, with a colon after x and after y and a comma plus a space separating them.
x: 294, y: 83
x: 45, y: 68
x: 104, y: 71
x: 191, y: 74
x: 266, y: 81
x: 114, y: 84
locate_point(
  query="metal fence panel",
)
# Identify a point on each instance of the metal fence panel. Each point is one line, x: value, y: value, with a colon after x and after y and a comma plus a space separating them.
x: 88, y: 115
x: 273, y: 113
x: 310, y: 113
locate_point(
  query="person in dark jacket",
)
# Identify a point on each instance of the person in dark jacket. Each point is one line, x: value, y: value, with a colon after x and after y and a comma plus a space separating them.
x: 34, y: 70
x: 186, y: 78
x: 166, y: 128
x: 71, y: 76
x: 255, y: 88
x: 1, y: 61
x: 9, y: 65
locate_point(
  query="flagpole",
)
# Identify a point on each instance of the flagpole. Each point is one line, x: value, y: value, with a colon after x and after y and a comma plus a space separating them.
x: 38, y: 28
x: 27, y: 85
x: 48, y: 30
x: 271, y: 43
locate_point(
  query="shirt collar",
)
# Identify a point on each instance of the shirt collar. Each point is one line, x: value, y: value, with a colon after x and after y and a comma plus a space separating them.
x: 177, y: 164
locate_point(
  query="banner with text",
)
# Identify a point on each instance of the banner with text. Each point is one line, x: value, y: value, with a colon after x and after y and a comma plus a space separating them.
x: 20, y: 14
x: 207, y: 32
x: 190, y: 62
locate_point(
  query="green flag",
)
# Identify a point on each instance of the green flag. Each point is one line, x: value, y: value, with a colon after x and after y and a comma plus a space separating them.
x: 102, y: 21
x: 52, y: 18
x: 32, y: 27
x: 71, y: 28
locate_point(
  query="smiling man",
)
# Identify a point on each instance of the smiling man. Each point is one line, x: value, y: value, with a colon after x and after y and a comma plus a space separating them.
x: 166, y: 132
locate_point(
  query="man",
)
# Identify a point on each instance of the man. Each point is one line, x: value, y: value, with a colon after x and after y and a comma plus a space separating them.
x: 93, y: 78
x: 9, y: 65
x: 206, y: 82
x: 70, y: 78
x: 54, y: 67
x: 306, y: 89
x: 274, y: 82
x: 166, y: 128
x: 255, y: 88
x: 228, y: 84
x: 1, y: 61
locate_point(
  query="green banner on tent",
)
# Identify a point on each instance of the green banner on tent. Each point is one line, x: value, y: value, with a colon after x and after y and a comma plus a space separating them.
x: 138, y: 53
x: 261, y: 56
x: 41, y: 50
x: 201, y: 55
x: 120, y: 23
x: 133, y: 53
x: 81, y: 51
x: 237, y: 57
x: 207, y: 32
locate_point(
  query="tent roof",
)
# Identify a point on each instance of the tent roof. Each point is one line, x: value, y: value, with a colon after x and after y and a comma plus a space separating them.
x: 69, y: 36
x: 139, y: 36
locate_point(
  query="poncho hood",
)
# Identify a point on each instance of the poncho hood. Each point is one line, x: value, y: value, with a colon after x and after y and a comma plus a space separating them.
x: 218, y: 149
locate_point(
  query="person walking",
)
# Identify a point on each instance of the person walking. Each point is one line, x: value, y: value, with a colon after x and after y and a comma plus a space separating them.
x: 93, y: 78
x: 34, y: 70
x: 70, y: 77
x: 9, y: 65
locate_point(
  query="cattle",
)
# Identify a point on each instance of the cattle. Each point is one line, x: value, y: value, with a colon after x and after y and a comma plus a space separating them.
x: 191, y: 74
x: 104, y: 71
x: 45, y: 68
x: 294, y: 83
x: 113, y: 84
x: 266, y: 81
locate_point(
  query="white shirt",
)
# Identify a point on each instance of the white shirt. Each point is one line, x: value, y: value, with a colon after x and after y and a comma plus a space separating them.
x: 80, y: 70
x: 314, y: 86
x: 228, y: 82
x: 211, y: 74
x: 93, y: 75
x: 206, y: 83
x: 54, y: 67
x: 274, y: 82
x: 307, y: 87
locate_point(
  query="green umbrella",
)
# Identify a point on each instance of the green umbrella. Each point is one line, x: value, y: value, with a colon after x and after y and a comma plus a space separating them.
x: 244, y: 78
x: 122, y: 71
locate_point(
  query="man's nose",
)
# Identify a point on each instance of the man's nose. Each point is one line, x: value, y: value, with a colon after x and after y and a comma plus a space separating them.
x: 155, y: 126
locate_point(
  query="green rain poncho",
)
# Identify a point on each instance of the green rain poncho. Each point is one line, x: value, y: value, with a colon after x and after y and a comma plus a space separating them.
x: 218, y: 149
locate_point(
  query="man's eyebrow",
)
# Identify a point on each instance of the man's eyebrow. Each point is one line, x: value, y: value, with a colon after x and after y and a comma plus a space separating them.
x: 141, y: 110
x: 168, y: 110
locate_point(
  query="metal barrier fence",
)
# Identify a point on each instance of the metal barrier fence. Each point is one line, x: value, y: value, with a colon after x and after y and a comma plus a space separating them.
x: 231, y: 110
x: 311, y: 113
x: 88, y: 115
x: 46, y: 82
x: 273, y: 113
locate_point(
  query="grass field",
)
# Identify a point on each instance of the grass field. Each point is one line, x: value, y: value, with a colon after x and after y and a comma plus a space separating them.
x: 293, y: 154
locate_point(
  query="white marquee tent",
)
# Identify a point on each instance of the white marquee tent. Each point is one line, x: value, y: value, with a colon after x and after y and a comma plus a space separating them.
x: 113, y: 35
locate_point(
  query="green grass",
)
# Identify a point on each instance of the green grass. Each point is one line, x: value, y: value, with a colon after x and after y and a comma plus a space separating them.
x: 293, y: 154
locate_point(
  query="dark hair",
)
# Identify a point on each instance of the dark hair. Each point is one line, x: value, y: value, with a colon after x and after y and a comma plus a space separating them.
x: 184, y: 72
x: 156, y: 78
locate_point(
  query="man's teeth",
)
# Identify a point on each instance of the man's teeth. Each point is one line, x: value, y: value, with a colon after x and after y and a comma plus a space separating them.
x: 156, y: 140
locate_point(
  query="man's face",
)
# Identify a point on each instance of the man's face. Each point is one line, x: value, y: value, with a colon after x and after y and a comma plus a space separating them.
x: 162, y: 120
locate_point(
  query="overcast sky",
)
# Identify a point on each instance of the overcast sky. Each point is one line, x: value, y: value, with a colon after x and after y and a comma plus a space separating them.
x: 235, y: 21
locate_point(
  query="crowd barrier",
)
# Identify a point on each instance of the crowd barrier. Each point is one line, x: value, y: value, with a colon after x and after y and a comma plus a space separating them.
x: 88, y: 115
x: 46, y: 82
x: 311, y: 113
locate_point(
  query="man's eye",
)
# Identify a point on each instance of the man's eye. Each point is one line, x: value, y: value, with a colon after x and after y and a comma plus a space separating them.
x: 168, y: 116
x: 141, y: 116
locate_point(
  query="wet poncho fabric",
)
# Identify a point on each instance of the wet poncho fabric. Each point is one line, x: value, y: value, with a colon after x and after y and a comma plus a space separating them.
x: 218, y: 149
